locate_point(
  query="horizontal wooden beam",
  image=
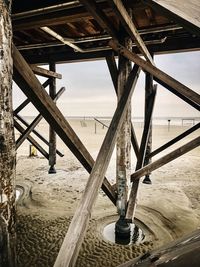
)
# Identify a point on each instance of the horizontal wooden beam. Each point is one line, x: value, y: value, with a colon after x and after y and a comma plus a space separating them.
x: 31, y: 139
x: 174, y: 140
x: 35, y: 122
x: 177, y: 88
x: 186, y: 14
x: 69, y: 251
x: 142, y: 153
x: 166, y: 159
x: 45, y: 73
x: 129, y: 26
x: 30, y: 85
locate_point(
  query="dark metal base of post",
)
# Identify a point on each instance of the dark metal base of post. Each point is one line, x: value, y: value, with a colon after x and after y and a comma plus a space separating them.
x: 147, y: 180
x: 52, y: 170
x: 122, y: 229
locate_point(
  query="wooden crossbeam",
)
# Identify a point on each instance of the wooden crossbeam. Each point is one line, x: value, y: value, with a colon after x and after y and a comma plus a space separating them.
x: 100, y: 16
x: 142, y: 152
x: 27, y: 101
x: 186, y: 14
x: 129, y: 26
x: 166, y: 159
x: 112, y: 66
x: 31, y: 139
x: 174, y: 140
x: 68, y: 253
x: 177, y: 88
x: 30, y: 85
x: 35, y: 122
x: 45, y: 73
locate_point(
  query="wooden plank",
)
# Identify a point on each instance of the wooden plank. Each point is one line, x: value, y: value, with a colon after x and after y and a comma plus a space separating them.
x: 52, y: 133
x: 45, y: 73
x: 31, y: 139
x: 36, y: 132
x: 129, y: 26
x: 142, y: 152
x: 74, y: 237
x: 112, y: 66
x: 35, y: 122
x: 178, y: 88
x: 123, y: 144
x: 100, y: 17
x: 174, y: 140
x: 185, y: 13
x: 8, y: 257
x: 166, y: 159
x: 30, y: 85
x: 27, y: 101
x: 148, y: 93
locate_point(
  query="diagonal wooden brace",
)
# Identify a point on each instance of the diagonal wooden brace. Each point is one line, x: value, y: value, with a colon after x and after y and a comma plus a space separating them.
x: 35, y: 122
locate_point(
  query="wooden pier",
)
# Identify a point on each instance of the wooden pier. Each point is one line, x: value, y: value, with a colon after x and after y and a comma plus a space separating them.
x: 57, y: 31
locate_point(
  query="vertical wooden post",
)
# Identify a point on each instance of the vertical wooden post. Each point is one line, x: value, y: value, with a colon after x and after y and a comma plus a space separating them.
x: 52, y: 134
x: 7, y: 142
x: 148, y: 95
x: 123, y: 147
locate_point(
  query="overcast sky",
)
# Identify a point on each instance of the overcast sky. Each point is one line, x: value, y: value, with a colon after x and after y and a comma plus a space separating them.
x: 89, y: 89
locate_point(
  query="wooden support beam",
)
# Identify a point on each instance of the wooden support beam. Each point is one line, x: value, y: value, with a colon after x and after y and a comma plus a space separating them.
x: 31, y: 140
x: 186, y: 14
x: 129, y: 26
x: 178, y: 88
x: 148, y: 93
x: 35, y: 122
x: 30, y: 85
x: 142, y: 152
x: 37, y: 133
x: 27, y: 101
x: 7, y: 143
x: 166, y: 159
x: 100, y: 17
x: 70, y: 248
x: 45, y: 73
x: 52, y: 134
x: 173, y: 141
x: 112, y: 66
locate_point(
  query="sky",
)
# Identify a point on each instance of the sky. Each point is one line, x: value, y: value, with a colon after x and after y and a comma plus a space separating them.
x: 90, y: 92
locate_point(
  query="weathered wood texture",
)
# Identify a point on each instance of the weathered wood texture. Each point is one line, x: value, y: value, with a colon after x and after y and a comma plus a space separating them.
x: 112, y: 66
x: 52, y: 133
x: 142, y: 152
x: 45, y: 73
x: 174, y: 140
x: 170, y: 83
x: 129, y: 26
x: 74, y: 237
x: 166, y: 159
x: 123, y: 145
x: 186, y: 13
x: 27, y: 81
x: 148, y: 94
x: 7, y: 143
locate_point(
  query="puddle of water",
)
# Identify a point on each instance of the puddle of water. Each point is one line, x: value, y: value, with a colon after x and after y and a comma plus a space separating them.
x: 136, y: 236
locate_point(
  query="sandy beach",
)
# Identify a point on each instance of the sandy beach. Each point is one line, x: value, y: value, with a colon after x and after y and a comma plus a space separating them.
x: 166, y: 210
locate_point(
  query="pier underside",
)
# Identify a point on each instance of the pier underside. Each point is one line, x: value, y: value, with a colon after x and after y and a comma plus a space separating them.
x: 51, y: 32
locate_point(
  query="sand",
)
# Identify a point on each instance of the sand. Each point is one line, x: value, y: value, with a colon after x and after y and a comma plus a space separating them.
x: 166, y: 210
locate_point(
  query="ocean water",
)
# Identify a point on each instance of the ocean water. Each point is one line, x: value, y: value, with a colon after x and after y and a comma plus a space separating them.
x: 177, y: 121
